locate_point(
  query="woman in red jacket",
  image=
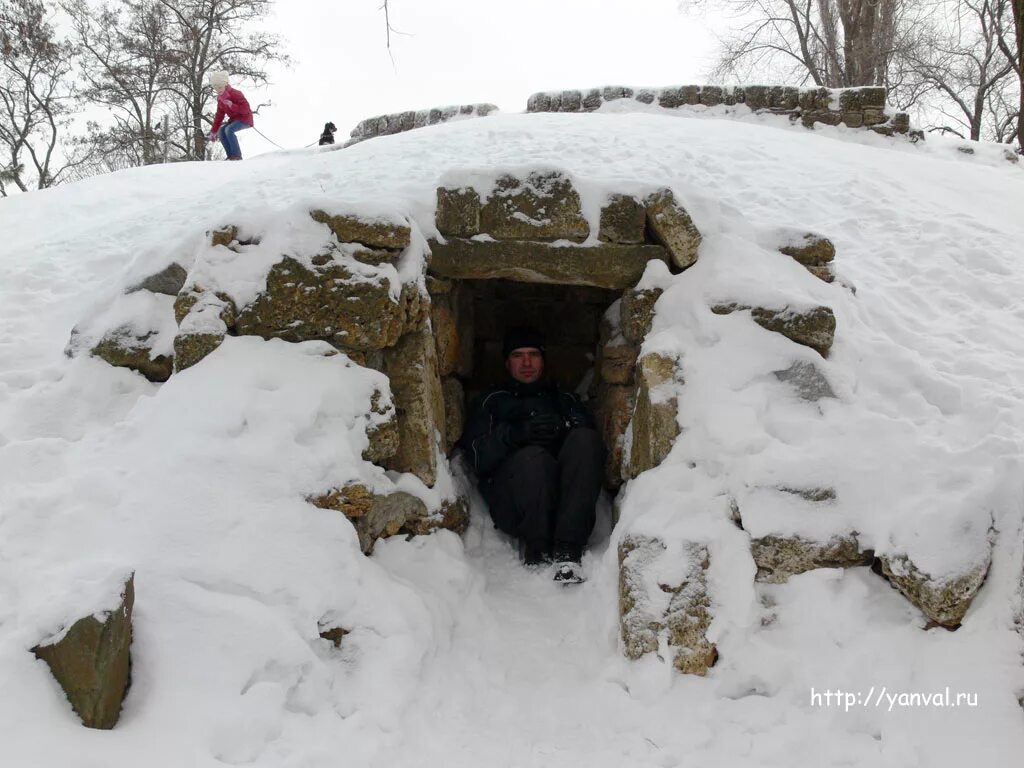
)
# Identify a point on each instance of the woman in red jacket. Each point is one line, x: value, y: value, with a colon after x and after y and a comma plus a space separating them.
x: 231, y: 104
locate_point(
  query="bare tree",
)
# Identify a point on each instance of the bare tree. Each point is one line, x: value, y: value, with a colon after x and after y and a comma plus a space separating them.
x: 832, y: 43
x: 1011, y: 42
x: 128, y: 67
x: 960, y: 71
x: 36, y: 96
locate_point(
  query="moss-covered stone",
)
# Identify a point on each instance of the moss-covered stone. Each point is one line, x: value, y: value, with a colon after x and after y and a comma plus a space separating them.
x: 411, y: 366
x: 372, y: 515
x: 458, y: 212
x: 224, y: 236
x: 122, y: 348
x: 374, y: 234
x: 811, y: 250
x: 623, y: 219
x: 303, y: 304
x: 92, y: 662
x: 654, y: 425
x: 544, y: 206
x: 383, y: 432
x: 334, y: 635
x: 190, y: 348
x: 814, y: 328
x: 636, y: 313
x: 672, y: 226
x: 944, y: 601
x: 604, y: 266
x: 453, y: 516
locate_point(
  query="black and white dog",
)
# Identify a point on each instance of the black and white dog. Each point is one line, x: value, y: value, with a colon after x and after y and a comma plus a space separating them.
x: 327, y: 137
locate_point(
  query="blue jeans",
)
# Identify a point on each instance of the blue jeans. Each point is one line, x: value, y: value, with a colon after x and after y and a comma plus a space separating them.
x: 226, y: 134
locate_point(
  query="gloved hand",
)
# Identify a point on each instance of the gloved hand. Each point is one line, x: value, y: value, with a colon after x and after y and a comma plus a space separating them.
x: 213, y: 138
x: 578, y: 419
x: 539, y: 429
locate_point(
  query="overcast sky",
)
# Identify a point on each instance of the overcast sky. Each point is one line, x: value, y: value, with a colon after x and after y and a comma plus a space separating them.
x: 461, y: 52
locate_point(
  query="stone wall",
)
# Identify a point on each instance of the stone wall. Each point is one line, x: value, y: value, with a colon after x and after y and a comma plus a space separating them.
x: 853, y: 107
x: 399, y: 122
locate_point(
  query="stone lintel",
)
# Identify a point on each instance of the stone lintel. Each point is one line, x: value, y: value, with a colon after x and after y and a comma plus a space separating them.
x: 603, y: 266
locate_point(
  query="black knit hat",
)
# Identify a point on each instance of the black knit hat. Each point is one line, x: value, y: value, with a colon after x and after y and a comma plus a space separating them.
x: 522, y: 336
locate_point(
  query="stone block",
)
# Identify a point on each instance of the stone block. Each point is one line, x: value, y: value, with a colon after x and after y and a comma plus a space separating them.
x: 825, y: 273
x: 810, y: 249
x: 571, y: 101
x: 614, y: 409
x: 167, y: 281
x: 453, y: 516
x: 853, y: 119
x: 451, y: 316
x: 604, y: 266
x: 636, y: 312
x: 124, y: 348
x: 757, y: 96
x: 544, y: 206
x: 874, y: 116
x: 327, y: 302
x: 454, y: 411
x: 190, y: 348
x: 814, y: 100
x: 458, y: 212
x: 779, y: 557
x: 592, y: 100
x: 92, y: 662
x: 371, y: 233
x: 411, y: 366
x: 672, y: 226
x: 711, y: 95
x: 814, y: 328
x: 623, y: 220
x: 670, y: 98
x: 944, y: 601
x: 655, y: 426
x: 687, y: 618
x: 373, y: 516
x: 809, y: 383
x: 618, y: 363
x: 382, y: 432
x: 538, y: 102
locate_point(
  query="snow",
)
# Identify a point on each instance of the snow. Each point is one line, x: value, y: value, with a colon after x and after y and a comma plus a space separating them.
x: 457, y: 656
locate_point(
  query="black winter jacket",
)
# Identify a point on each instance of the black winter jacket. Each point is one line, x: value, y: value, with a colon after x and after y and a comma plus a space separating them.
x: 486, y: 436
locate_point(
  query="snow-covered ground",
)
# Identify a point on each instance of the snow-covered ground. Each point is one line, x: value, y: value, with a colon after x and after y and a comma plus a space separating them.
x: 457, y: 656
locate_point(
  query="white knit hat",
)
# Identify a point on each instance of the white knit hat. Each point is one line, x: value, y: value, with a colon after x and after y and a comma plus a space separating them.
x: 218, y: 78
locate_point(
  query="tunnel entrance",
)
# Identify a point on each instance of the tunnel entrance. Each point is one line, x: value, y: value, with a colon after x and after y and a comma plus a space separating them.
x: 569, y: 316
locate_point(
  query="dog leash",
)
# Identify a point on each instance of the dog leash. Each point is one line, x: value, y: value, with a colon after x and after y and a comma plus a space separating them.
x: 261, y: 133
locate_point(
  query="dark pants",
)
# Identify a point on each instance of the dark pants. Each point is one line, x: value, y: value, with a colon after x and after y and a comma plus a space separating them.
x: 548, y: 501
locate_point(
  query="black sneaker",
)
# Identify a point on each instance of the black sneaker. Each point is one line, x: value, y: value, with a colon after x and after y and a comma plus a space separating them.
x: 568, y: 573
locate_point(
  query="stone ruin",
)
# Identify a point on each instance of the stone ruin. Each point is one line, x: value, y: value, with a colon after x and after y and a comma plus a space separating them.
x: 853, y: 107
x: 522, y: 250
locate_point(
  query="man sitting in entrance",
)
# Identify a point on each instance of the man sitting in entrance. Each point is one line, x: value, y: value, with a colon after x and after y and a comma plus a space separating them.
x: 539, y: 459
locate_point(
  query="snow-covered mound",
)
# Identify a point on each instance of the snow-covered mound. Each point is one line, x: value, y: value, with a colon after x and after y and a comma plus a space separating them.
x: 455, y: 656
